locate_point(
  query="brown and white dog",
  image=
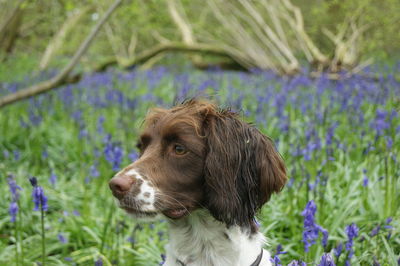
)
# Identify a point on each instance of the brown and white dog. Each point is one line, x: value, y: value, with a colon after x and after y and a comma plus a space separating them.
x: 207, y: 173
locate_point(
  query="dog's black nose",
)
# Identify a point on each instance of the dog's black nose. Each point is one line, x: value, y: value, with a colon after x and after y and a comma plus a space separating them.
x: 120, y: 185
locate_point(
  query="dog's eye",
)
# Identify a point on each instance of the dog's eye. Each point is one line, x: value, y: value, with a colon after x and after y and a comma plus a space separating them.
x: 179, y: 149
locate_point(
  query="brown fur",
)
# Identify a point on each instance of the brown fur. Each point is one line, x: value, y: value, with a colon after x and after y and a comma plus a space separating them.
x: 230, y: 167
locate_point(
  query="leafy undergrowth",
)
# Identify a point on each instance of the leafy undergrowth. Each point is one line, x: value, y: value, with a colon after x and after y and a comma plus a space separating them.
x: 339, y: 140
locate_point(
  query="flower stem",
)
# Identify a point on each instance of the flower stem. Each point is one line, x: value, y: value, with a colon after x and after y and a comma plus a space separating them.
x: 43, y: 237
x: 105, y: 228
x: 387, y: 190
x: 19, y: 222
x: 16, y: 244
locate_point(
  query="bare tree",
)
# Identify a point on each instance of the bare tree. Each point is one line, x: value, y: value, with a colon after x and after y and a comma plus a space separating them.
x: 63, y: 75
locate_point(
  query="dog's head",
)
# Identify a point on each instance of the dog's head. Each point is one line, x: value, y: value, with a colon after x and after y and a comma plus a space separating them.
x: 198, y: 156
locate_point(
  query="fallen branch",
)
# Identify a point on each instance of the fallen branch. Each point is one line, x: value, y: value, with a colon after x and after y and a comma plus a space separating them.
x: 167, y: 47
x: 63, y: 75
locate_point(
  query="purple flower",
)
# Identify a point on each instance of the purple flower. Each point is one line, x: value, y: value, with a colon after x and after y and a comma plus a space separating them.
x: 330, y: 134
x: 338, y: 250
x: 297, y: 263
x: 133, y: 156
x: 380, y: 123
x: 311, y: 229
x: 45, y: 154
x: 389, y: 142
x: 17, y: 155
x: 98, y: 262
x: 38, y: 196
x: 100, y: 124
x: 275, y: 260
x: 352, y: 232
x: 326, y: 260
x: 131, y: 240
x: 375, y: 230
x: 162, y: 259
x: 94, y: 172
x: 113, y: 153
x: 62, y: 238
x: 13, y: 210
x: 53, y: 179
x: 365, y: 179
x: 13, y: 188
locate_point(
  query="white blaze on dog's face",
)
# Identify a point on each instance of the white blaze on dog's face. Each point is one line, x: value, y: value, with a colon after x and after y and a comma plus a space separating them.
x: 198, y: 156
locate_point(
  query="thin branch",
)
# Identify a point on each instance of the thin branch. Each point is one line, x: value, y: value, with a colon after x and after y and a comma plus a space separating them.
x: 63, y: 75
x: 60, y: 36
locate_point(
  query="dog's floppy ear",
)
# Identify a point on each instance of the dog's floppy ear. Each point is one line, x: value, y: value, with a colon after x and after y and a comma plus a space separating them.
x: 242, y: 169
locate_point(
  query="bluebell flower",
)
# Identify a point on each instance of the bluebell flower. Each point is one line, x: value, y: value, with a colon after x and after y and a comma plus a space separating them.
x: 389, y: 143
x: 131, y: 240
x: 352, y: 232
x: 326, y: 260
x: 375, y: 230
x: 99, y: 262
x: 100, y: 124
x: 76, y: 213
x: 113, y: 153
x: 311, y: 229
x: 53, y: 179
x: 17, y: 155
x: 38, y: 196
x: 365, y: 179
x: 160, y: 234
x: 380, y: 123
x: 133, y: 156
x: 94, y: 172
x: 330, y: 133
x: 45, y: 154
x: 62, y: 238
x: 338, y: 250
x: 162, y: 259
x: 297, y: 263
x: 275, y: 260
x: 14, y: 188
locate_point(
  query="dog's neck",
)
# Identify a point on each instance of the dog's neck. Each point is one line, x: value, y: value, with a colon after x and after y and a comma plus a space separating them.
x: 199, y: 239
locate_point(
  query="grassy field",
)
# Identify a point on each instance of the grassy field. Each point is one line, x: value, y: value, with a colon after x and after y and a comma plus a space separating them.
x: 339, y: 140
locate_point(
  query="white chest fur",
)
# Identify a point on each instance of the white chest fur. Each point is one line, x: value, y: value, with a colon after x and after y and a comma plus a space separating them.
x: 199, y: 239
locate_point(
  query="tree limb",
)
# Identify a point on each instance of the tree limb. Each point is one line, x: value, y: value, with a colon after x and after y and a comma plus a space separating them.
x: 63, y: 75
x: 60, y: 36
x: 7, y: 21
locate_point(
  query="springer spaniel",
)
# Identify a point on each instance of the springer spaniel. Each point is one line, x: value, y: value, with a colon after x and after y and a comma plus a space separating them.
x: 207, y: 173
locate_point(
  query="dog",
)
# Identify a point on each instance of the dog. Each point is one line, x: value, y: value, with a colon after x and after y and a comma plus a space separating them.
x: 207, y: 173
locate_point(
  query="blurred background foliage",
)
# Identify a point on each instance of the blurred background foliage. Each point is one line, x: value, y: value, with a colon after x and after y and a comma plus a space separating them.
x: 138, y: 25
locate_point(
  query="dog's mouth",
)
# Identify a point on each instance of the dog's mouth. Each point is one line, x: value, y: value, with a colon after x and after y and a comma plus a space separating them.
x: 176, y: 213
x: 170, y: 213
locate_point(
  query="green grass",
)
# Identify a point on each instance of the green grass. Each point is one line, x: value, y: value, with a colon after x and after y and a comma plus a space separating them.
x: 59, y: 133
